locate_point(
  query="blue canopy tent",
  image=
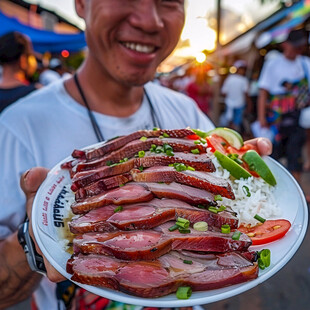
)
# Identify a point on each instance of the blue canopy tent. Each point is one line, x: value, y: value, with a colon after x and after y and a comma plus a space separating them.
x: 43, y: 40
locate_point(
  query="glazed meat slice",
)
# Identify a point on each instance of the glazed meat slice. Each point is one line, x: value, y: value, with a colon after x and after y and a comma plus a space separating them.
x: 130, y: 193
x: 199, y: 162
x: 199, y: 179
x: 102, y: 185
x: 132, y: 148
x: 189, y: 194
x: 150, y: 279
x: 146, y: 216
x: 119, y: 142
x: 151, y: 244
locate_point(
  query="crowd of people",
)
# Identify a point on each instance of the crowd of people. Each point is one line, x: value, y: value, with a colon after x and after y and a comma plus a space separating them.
x: 111, y: 94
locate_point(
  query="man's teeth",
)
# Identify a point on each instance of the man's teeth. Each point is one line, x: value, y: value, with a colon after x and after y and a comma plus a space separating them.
x: 140, y: 48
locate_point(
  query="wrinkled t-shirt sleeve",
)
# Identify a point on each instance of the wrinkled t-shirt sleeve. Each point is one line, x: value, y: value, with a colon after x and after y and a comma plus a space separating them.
x: 14, y: 160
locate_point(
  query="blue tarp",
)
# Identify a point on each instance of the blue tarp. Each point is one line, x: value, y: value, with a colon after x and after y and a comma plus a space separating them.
x: 42, y: 40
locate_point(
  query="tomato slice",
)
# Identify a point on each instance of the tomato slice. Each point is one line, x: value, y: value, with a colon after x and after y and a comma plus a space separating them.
x: 216, y: 142
x: 193, y: 137
x: 269, y: 231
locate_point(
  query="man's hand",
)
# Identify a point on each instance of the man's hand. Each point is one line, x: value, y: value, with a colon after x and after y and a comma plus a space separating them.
x: 264, y: 145
x: 30, y: 182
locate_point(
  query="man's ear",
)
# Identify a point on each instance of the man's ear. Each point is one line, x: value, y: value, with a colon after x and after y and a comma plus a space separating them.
x: 80, y: 8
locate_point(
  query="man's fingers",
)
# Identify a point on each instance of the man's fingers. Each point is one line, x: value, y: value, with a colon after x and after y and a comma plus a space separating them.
x: 263, y: 145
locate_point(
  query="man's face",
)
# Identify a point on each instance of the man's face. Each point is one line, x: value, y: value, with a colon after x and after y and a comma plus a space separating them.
x: 128, y: 39
x: 291, y: 51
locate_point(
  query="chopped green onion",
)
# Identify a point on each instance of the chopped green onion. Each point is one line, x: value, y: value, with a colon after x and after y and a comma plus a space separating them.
x: 203, y: 141
x: 259, y: 218
x: 201, y: 226
x: 153, y: 148
x: 174, y: 227
x: 161, y: 137
x: 179, y: 167
x: 121, y: 185
x: 167, y: 147
x: 141, y: 168
x: 184, y: 231
x: 159, y: 149
x: 190, y: 168
x: 197, y: 141
x: 213, y: 210
x: 201, y: 206
x: 195, y: 151
x: 184, y: 292
x: 109, y: 163
x: 184, y: 223
x: 169, y: 153
x: 246, y: 191
x: 223, y: 143
x: 166, y: 135
x: 218, y: 197
x: 141, y: 154
x: 189, y: 262
x: 221, y: 208
x: 236, y: 235
x: 225, y: 229
x: 155, y: 129
x: 143, y: 138
x: 200, y: 133
x: 264, y: 258
x: 170, y: 165
x: 118, y: 209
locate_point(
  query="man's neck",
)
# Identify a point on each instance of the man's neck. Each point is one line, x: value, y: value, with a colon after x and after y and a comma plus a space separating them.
x: 104, y: 95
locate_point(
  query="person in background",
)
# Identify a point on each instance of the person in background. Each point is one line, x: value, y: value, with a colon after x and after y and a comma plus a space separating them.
x: 54, y: 72
x: 200, y: 90
x: 18, y: 66
x: 284, y: 91
x: 110, y: 95
x: 235, y: 90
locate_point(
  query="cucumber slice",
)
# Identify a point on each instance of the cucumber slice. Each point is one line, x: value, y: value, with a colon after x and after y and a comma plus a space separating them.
x: 230, y: 135
x: 257, y: 164
x: 235, y: 169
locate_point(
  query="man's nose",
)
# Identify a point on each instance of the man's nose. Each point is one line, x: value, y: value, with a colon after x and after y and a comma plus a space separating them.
x: 147, y: 16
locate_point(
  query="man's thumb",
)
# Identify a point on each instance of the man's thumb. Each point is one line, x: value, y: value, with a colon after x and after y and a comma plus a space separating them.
x: 31, y: 180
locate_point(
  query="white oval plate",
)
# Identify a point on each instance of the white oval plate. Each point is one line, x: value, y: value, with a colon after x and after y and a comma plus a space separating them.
x: 49, y: 226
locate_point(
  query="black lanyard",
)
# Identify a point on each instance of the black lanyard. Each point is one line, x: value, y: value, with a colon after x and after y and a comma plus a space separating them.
x: 92, y: 118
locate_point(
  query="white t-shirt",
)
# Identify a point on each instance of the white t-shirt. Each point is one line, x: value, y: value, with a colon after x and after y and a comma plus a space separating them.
x: 235, y: 88
x: 46, y: 126
x: 280, y: 69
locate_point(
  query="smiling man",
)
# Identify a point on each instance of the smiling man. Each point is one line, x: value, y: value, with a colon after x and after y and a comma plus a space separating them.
x: 110, y: 95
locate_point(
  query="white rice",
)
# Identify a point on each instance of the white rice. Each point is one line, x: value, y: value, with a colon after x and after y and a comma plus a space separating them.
x: 261, y: 200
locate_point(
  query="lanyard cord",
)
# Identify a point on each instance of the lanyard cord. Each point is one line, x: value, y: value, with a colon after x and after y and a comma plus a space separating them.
x: 90, y: 114
x: 92, y: 118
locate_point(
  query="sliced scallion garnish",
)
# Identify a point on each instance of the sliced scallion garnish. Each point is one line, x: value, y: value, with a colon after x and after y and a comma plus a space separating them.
x: 218, y: 198
x: 195, y: 151
x: 189, y: 262
x: 246, y: 191
x: 143, y: 138
x: 184, y: 231
x: 141, y: 154
x: 259, y: 218
x: 166, y: 135
x: 184, y: 292
x: 264, y: 258
x: 225, y: 229
x: 183, y: 223
x: 173, y: 228
x: 118, y: 209
x: 201, y: 226
x: 236, y: 235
